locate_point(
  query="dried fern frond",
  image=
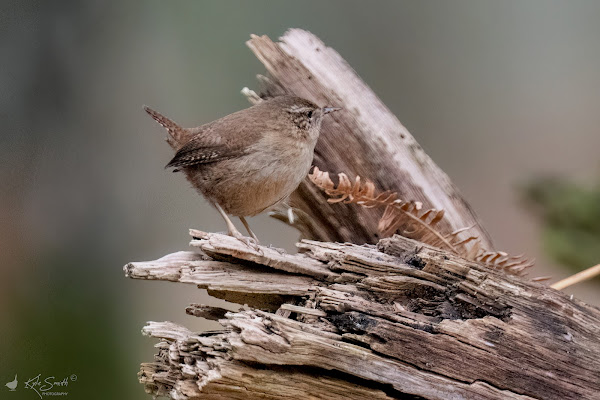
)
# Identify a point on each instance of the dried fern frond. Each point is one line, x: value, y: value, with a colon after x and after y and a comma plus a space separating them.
x: 348, y: 192
x: 515, y: 265
x: 409, y: 220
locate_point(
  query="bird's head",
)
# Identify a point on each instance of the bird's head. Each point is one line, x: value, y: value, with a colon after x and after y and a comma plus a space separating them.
x: 305, y: 115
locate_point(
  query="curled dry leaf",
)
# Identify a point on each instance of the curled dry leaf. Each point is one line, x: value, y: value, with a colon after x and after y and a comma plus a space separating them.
x: 408, y: 219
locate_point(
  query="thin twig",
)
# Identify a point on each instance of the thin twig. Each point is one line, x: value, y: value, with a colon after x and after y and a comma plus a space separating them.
x: 577, y: 278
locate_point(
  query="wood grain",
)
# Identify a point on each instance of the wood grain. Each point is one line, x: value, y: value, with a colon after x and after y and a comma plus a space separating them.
x: 391, y: 320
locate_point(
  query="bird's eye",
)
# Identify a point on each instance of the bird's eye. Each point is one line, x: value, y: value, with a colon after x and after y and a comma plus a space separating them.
x: 310, y: 114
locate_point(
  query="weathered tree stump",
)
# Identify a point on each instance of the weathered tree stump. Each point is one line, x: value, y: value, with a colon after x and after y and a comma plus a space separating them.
x: 384, y: 318
x: 395, y: 320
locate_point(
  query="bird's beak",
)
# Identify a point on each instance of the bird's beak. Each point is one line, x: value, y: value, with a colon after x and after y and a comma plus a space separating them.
x: 327, y: 110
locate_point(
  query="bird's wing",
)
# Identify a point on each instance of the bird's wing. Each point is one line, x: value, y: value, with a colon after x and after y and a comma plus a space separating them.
x: 211, y: 144
x: 202, y: 151
x: 224, y: 138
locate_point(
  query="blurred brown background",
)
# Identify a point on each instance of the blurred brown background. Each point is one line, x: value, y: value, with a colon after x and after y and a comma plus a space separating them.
x: 497, y: 93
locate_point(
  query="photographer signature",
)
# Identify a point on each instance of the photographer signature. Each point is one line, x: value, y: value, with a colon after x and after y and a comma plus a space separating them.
x: 47, y: 384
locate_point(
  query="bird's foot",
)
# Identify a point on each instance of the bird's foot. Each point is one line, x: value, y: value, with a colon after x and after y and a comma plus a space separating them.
x: 250, y: 242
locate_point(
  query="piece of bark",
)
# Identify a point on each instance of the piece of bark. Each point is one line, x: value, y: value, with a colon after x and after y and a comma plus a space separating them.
x: 364, y: 139
x: 189, y: 267
x: 399, y: 319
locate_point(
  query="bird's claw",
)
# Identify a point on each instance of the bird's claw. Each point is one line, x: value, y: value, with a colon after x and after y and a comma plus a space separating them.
x: 250, y: 242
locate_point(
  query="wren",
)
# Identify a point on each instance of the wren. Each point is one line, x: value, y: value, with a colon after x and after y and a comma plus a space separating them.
x: 249, y: 161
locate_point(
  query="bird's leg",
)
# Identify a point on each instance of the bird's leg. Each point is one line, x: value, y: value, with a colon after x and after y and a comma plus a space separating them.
x: 248, y: 229
x: 232, y: 230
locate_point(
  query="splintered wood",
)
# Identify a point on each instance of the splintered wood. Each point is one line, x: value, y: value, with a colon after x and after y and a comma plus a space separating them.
x: 350, y: 322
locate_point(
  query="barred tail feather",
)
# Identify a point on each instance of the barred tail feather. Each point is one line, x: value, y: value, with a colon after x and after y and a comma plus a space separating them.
x: 177, y: 135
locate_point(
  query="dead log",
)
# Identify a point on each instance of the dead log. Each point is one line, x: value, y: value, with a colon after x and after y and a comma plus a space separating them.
x: 389, y: 319
x: 397, y: 320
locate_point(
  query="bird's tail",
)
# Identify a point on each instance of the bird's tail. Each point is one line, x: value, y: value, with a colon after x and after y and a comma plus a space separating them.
x: 177, y: 135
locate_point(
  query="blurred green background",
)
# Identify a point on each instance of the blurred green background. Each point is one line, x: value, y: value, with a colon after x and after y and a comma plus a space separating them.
x: 497, y: 93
